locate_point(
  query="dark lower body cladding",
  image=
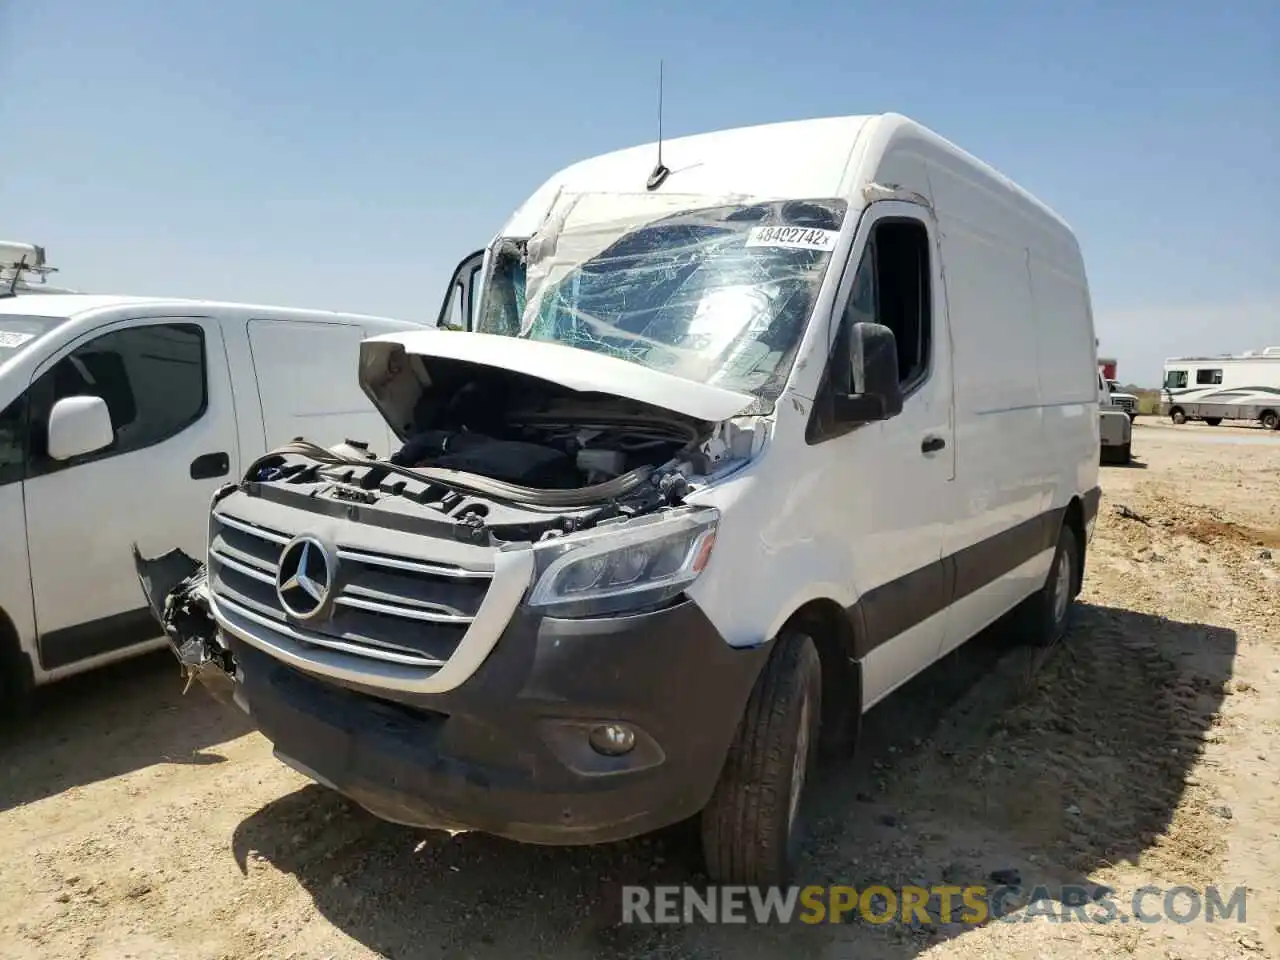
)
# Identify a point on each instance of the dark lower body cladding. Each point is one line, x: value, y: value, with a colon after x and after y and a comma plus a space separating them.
x: 508, y: 752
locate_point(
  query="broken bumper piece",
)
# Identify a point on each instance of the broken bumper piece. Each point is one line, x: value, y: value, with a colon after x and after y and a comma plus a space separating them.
x: 176, y: 588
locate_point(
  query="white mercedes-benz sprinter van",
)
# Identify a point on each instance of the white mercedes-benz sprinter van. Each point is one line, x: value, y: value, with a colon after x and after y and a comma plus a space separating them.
x: 737, y: 446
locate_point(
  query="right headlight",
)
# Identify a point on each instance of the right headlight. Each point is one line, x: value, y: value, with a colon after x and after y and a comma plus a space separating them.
x: 622, y: 566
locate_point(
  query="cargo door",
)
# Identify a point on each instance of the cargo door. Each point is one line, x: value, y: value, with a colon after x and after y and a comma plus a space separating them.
x: 308, y: 384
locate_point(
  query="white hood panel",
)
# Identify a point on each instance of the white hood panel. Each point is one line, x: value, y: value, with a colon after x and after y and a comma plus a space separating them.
x: 580, y: 370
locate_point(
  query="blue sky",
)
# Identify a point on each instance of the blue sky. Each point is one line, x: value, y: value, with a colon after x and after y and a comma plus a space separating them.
x: 346, y: 155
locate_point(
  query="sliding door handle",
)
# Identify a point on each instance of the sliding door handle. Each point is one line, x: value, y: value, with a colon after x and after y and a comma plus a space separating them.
x: 932, y: 444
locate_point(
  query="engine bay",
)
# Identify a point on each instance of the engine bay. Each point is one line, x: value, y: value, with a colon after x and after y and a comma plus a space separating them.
x: 498, y: 456
x: 520, y: 430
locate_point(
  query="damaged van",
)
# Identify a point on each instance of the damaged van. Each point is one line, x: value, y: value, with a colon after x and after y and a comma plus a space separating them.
x: 737, y: 445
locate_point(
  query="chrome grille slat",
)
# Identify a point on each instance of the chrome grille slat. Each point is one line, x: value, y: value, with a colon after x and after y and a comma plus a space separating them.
x: 399, y: 600
x: 256, y: 572
x: 227, y: 591
x: 397, y: 609
x: 412, y: 566
x: 253, y: 529
x: 332, y: 643
x: 260, y: 554
x: 373, y: 606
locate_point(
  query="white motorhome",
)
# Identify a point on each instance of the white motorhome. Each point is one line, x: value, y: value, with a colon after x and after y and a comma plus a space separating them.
x: 119, y: 417
x: 728, y: 459
x: 1241, y: 387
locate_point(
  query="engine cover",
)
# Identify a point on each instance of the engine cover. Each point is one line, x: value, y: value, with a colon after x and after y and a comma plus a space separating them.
x: 512, y: 461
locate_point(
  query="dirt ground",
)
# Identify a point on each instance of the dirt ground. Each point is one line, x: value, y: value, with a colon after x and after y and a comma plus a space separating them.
x: 1144, y: 750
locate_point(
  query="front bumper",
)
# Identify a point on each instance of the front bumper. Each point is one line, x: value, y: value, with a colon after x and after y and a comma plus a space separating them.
x: 507, y: 752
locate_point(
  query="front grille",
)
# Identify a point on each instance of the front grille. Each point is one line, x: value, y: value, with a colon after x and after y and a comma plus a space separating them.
x: 396, y: 609
x: 1125, y: 404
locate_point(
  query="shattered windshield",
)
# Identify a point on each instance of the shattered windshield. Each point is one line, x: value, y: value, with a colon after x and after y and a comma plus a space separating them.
x: 713, y: 290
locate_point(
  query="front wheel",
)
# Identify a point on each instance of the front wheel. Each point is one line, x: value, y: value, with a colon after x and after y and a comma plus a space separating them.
x: 752, y: 825
x: 1047, y: 614
x: 1177, y: 416
x: 16, y: 684
x: 1271, y: 420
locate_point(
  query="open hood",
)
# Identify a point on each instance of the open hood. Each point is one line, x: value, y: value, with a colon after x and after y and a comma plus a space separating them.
x: 395, y: 383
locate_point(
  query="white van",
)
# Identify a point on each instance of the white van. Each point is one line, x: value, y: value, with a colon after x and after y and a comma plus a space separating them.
x: 119, y: 417
x: 1115, y: 426
x: 731, y: 455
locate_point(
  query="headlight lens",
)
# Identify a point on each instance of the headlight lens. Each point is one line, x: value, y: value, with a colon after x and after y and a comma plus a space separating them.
x: 619, y: 567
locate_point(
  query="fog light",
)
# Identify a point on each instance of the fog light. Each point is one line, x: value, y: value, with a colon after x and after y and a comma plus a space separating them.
x: 612, y: 739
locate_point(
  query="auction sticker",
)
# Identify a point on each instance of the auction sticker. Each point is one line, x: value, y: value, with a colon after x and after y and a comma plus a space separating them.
x: 793, y: 238
x: 11, y: 338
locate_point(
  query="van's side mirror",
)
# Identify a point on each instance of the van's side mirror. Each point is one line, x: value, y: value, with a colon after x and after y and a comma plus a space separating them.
x: 79, y: 425
x: 873, y: 367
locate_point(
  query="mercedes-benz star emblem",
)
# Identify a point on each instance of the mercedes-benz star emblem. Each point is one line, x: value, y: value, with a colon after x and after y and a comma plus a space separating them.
x: 305, y: 578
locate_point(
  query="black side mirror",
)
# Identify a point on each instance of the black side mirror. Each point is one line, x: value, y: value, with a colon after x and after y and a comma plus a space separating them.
x: 873, y: 363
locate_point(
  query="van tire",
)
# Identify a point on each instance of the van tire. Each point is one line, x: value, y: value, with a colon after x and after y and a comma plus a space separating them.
x: 1121, y: 454
x: 16, y: 680
x: 1047, y: 615
x: 751, y: 827
x: 1177, y: 416
x: 1270, y: 419
x: 1213, y: 421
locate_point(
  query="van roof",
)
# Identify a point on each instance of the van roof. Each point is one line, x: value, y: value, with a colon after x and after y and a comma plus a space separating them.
x: 75, y: 304
x: 825, y: 157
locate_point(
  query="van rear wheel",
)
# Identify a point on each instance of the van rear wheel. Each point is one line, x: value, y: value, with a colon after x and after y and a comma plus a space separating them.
x: 1121, y: 454
x: 1047, y: 614
x: 752, y: 826
x: 1213, y: 421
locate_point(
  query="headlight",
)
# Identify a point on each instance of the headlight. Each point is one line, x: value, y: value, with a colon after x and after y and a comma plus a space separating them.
x: 615, y: 568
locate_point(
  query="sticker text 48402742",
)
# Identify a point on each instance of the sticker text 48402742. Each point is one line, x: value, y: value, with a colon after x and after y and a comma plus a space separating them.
x: 794, y: 238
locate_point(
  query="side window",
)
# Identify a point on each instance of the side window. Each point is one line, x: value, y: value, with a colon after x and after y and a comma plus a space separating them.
x: 860, y: 308
x: 892, y: 287
x: 903, y: 302
x: 13, y: 421
x: 1175, y: 379
x: 153, y: 379
x: 1208, y: 377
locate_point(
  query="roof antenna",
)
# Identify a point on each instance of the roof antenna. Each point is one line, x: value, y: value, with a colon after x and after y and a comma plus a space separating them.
x: 660, y: 172
x: 17, y: 275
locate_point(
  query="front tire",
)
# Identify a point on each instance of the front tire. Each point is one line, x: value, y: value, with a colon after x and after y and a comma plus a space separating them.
x: 1048, y: 613
x: 16, y: 682
x: 1177, y: 416
x: 1271, y: 420
x: 752, y: 826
